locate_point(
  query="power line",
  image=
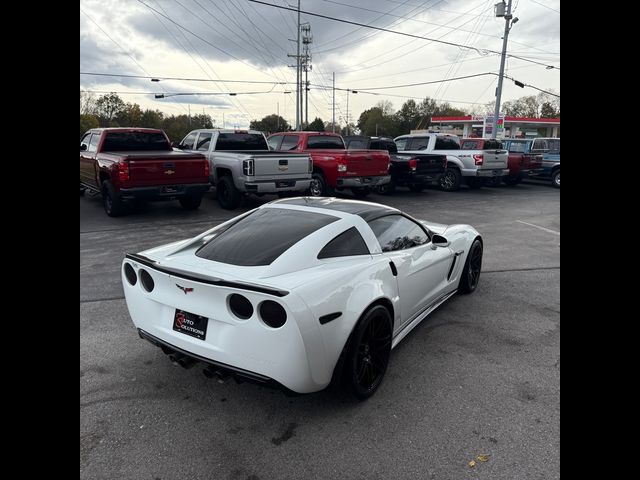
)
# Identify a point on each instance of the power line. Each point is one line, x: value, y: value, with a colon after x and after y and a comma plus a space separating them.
x: 480, y: 51
x: 184, y: 79
x: 173, y: 94
x: 546, y: 6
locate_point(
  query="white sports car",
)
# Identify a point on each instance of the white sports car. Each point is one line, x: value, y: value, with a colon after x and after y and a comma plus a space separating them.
x: 301, y: 292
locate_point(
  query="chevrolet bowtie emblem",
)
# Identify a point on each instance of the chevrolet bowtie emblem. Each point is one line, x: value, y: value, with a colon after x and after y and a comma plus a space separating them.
x: 169, y: 172
x: 282, y: 168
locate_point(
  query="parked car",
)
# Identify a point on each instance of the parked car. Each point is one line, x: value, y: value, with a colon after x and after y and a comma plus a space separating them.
x: 299, y: 293
x: 240, y: 163
x: 414, y: 171
x: 472, y: 166
x: 335, y: 167
x: 521, y: 162
x: 138, y: 163
x: 549, y: 148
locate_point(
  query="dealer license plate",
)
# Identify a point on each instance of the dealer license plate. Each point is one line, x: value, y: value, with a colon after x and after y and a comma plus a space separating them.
x: 190, y: 324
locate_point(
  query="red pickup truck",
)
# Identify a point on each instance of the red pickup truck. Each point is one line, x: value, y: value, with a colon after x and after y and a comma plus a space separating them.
x: 335, y: 167
x: 138, y: 163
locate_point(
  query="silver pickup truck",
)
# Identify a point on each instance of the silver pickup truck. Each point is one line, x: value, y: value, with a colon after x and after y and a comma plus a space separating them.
x: 241, y: 163
x: 474, y: 166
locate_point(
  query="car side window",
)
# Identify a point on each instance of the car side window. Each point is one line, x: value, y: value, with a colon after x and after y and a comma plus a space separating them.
x: 289, y: 142
x: 396, y: 232
x: 85, y: 141
x: 348, y: 243
x: 446, y: 143
x: 204, y: 141
x: 274, y: 142
x: 355, y: 144
x: 93, y: 143
x: 188, y: 142
x: 419, y: 143
x: 401, y: 144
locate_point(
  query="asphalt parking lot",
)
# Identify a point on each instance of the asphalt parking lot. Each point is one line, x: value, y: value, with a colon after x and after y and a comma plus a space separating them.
x: 480, y: 376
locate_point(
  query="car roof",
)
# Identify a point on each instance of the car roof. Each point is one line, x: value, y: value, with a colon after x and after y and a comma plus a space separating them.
x: 366, y: 210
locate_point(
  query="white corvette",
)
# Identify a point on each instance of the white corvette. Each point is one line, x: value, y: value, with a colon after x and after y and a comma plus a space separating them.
x: 301, y: 292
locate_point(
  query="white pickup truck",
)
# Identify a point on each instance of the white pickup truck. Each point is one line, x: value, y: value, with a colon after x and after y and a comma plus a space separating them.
x: 474, y: 166
x: 241, y: 163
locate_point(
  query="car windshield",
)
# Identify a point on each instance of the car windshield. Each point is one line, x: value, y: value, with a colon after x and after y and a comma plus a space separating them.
x: 135, y: 141
x: 264, y: 235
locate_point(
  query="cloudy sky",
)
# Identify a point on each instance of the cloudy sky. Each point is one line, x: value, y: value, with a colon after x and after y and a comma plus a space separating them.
x: 229, y: 42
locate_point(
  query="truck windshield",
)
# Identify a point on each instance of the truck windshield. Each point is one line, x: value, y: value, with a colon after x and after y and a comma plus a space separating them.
x: 241, y: 141
x: 135, y: 141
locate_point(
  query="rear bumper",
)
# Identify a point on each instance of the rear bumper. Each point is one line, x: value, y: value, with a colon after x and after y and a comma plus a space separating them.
x: 412, y: 178
x: 165, y: 191
x: 498, y: 172
x: 363, y: 181
x: 274, y: 186
x: 223, y: 369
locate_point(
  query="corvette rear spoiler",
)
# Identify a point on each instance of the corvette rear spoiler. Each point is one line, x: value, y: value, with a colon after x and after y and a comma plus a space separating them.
x: 197, y: 277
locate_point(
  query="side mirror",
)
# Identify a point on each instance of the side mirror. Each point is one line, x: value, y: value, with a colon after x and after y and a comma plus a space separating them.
x: 177, y: 145
x: 83, y: 147
x: 439, y: 241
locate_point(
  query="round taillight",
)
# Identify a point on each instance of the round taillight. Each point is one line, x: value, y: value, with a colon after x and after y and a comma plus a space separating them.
x: 130, y: 273
x: 146, y: 280
x: 273, y: 314
x: 240, y: 306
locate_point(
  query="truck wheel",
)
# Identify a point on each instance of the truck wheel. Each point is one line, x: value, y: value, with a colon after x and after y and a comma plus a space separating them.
x: 111, y: 201
x: 228, y: 195
x: 416, y: 187
x: 556, y: 179
x: 190, y: 203
x: 360, y: 192
x: 386, y: 188
x: 318, y: 187
x: 450, y: 180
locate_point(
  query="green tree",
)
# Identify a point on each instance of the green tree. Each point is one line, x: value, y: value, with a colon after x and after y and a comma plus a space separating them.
x: 201, y: 120
x: 316, y: 126
x: 108, y: 107
x: 152, y: 118
x: 408, y: 116
x: 375, y: 122
x: 176, y: 127
x: 87, y: 122
x: 270, y: 124
x: 130, y: 116
x: 87, y: 103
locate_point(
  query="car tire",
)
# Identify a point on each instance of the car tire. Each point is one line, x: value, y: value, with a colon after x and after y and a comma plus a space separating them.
x: 111, y: 201
x: 360, y: 192
x: 555, y: 179
x: 416, y: 187
x: 228, y: 195
x: 449, y: 181
x: 82, y: 190
x: 470, y: 275
x: 190, y: 203
x: 368, y: 353
x: 319, y: 187
x: 386, y: 188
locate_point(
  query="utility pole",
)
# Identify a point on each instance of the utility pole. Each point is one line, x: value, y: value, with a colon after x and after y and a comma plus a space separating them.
x: 500, y: 12
x: 347, y: 115
x: 298, y: 75
x: 307, y: 39
x: 278, y: 118
x: 333, y: 121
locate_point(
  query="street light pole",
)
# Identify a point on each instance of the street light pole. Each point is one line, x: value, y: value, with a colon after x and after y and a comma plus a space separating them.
x: 507, y: 27
x: 333, y: 121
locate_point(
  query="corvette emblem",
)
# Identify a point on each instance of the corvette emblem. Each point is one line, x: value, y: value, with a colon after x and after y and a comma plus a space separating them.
x: 169, y: 172
x: 184, y: 289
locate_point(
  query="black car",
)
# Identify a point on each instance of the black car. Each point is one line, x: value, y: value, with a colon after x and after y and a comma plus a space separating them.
x: 415, y: 171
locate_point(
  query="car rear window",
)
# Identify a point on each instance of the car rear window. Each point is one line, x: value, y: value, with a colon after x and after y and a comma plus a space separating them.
x: 471, y: 144
x: 135, y: 141
x: 325, y: 141
x: 261, y: 237
x: 241, y: 141
x: 492, y: 145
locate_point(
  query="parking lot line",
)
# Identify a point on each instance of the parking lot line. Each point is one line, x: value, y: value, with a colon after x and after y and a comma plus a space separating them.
x: 541, y: 228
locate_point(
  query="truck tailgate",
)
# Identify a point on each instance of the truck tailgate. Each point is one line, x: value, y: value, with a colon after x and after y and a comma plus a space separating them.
x: 166, y: 168
x: 367, y: 162
x: 494, y: 159
x: 282, y: 165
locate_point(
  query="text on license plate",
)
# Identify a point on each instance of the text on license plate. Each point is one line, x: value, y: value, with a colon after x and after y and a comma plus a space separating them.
x: 190, y: 324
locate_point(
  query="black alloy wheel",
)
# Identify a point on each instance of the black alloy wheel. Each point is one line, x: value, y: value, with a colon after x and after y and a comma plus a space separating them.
x: 369, y: 351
